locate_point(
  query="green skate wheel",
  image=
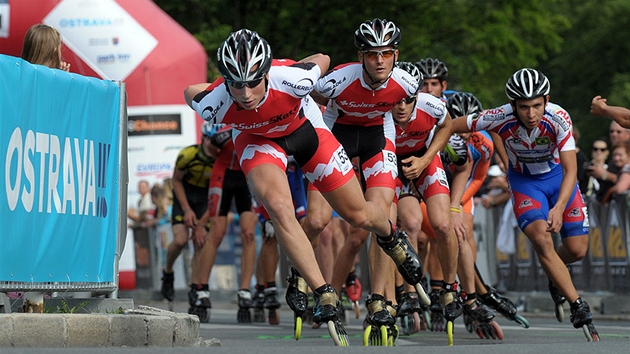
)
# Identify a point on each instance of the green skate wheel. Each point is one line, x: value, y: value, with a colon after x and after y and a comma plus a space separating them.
x: 449, y: 332
x: 297, y: 328
x: 383, y: 338
x: 521, y: 320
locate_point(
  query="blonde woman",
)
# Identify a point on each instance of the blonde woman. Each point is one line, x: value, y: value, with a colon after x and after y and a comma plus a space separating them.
x: 42, y: 45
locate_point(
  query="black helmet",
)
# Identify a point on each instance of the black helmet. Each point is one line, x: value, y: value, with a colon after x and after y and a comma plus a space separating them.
x: 412, y: 70
x: 242, y: 51
x: 377, y: 33
x: 432, y: 68
x: 463, y: 104
x: 527, y: 84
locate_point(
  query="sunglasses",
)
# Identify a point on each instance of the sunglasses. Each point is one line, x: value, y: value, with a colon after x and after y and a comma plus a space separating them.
x: 373, y: 54
x: 240, y: 84
x: 408, y: 100
x: 599, y: 149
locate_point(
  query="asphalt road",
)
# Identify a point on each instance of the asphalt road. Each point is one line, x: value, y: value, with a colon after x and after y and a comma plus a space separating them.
x: 544, y: 335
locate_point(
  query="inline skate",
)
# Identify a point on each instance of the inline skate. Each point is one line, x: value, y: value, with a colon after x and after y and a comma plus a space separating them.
x: 436, y: 312
x: 272, y: 305
x: 479, y: 319
x: 451, y: 308
x: 244, y: 298
x: 354, y: 289
x: 167, y: 290
x: 199, y: 301
x: 502, y: 305
x: 558, y: 299
x: 326, y: 311
x: 380, y: 326
x: 297, y: 299
x: 409, y: 312
x: 258, y: 303
x: 406, y: 259
x: 581, y: 317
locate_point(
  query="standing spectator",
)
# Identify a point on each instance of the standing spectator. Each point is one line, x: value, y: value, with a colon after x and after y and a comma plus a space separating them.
x: 599, y: 156
x: 621, y: 159
x: 42, y: 45
x: 145, y: 204
x: 608, y: 176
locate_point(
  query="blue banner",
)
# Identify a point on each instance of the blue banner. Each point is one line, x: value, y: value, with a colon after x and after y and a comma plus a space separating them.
x: 59, y: 194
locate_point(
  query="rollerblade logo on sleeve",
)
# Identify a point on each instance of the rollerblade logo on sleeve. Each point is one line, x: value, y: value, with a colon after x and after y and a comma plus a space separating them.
x: 56, y: 175
x: 210, y: 113
x: 301, y: 88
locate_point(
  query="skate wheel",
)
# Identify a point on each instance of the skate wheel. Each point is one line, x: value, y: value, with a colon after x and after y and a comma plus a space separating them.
x: 426, y: 315
x: 416, y: 323
x: 498, y: 332
x: 383, y: 337
x: 422, y: 294
x: 521, y: 320
x: 357, y: 310
x: 338, y: 334
x: 590, y: 332
x: 274, y: 319
x: 449, y: 332
x: 404, y: 323
x: 171, y: 306
x: 259, y: 315
x: 392, y: 336
x: 297, y: 327
x: 366, y: 336
x: 559, y: 309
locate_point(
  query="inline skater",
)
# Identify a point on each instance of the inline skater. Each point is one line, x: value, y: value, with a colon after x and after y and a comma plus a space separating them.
x: 538, y: 138
x: 357, y: 95
x: 481, y: 149
x: 228, y: 184
x: 273, y: 117
x: 191, y: 177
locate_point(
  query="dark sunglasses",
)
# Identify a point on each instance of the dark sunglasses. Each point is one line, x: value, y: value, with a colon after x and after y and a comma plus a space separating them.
x: 373, y: 54
x: 240, y: 84
x: 599, y: 149
x: 408, y: 100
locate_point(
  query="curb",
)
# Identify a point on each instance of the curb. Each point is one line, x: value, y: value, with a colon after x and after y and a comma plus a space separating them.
x: 141, y: 327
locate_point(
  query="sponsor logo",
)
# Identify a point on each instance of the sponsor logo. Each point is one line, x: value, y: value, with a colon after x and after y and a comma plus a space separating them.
x: 56, y: 175
x: 107, y: 59
x: 90, y: 22
x: 439, y: 109
x: 158, y: 124
x: 301, y: 88
x: 525, y: 204
x: 331, y: 85
x: 575, y: 212
x: 210, y: 113
x: 561, y: 118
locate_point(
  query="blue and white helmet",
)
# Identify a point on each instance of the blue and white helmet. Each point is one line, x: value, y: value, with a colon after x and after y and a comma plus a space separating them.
x: 526, y: 84
x: 208, y: 129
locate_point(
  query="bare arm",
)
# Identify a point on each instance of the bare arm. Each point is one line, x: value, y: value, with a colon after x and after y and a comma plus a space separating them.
x: 192, y: 91
x: 460, y: 125
x: 190, y: 218
x: 321, y: 60
x: 622, y: 185
x: 621, y: 115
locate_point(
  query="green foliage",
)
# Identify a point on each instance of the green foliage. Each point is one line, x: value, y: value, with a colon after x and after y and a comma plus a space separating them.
x: 64, y: 308
x: 583, y: 46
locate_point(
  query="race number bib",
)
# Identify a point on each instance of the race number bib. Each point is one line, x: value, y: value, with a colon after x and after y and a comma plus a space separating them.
x: 343, y: 161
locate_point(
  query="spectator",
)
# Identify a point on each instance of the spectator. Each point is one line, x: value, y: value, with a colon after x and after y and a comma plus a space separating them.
x: 582, y: 162
x: 145, y: 204
x: 621, y: 115
x: 42, y: 45
x: 621, y: 160
x: 608, y: 176
x: 599, y: 155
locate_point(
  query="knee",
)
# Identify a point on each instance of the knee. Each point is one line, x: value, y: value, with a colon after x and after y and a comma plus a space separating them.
x: 575, y: 252
x: 412, y: 225
x: 442, y: 228
x: 315, y: 224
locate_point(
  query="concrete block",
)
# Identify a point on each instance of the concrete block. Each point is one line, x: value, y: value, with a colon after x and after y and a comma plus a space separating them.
x: 186, y: 330
x: 127, y: 330
x: 5, y: 303
x: 615, y: 305
x: 87, y: 330
x: 160, y: 331
x: 6, y: 331
x: 39, y: 330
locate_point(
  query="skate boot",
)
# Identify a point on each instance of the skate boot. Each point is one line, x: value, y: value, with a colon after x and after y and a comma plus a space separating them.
x: 409, y: 312
x: 272, y: 305
x: 406, y: 259
x: 581, y: 317
x: 326, y: 312
x: 167, y: 290
x: 437, y: 313
x: 354, y: 289
x: 258, y: 303
x: 481, y: 321
x: 381, y: 329
x: 558, y: 299
x: 297, y: 299
x: 502, y: 305
x: 244, y: 298
x: 451, y: 307
x: 199, y: 301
